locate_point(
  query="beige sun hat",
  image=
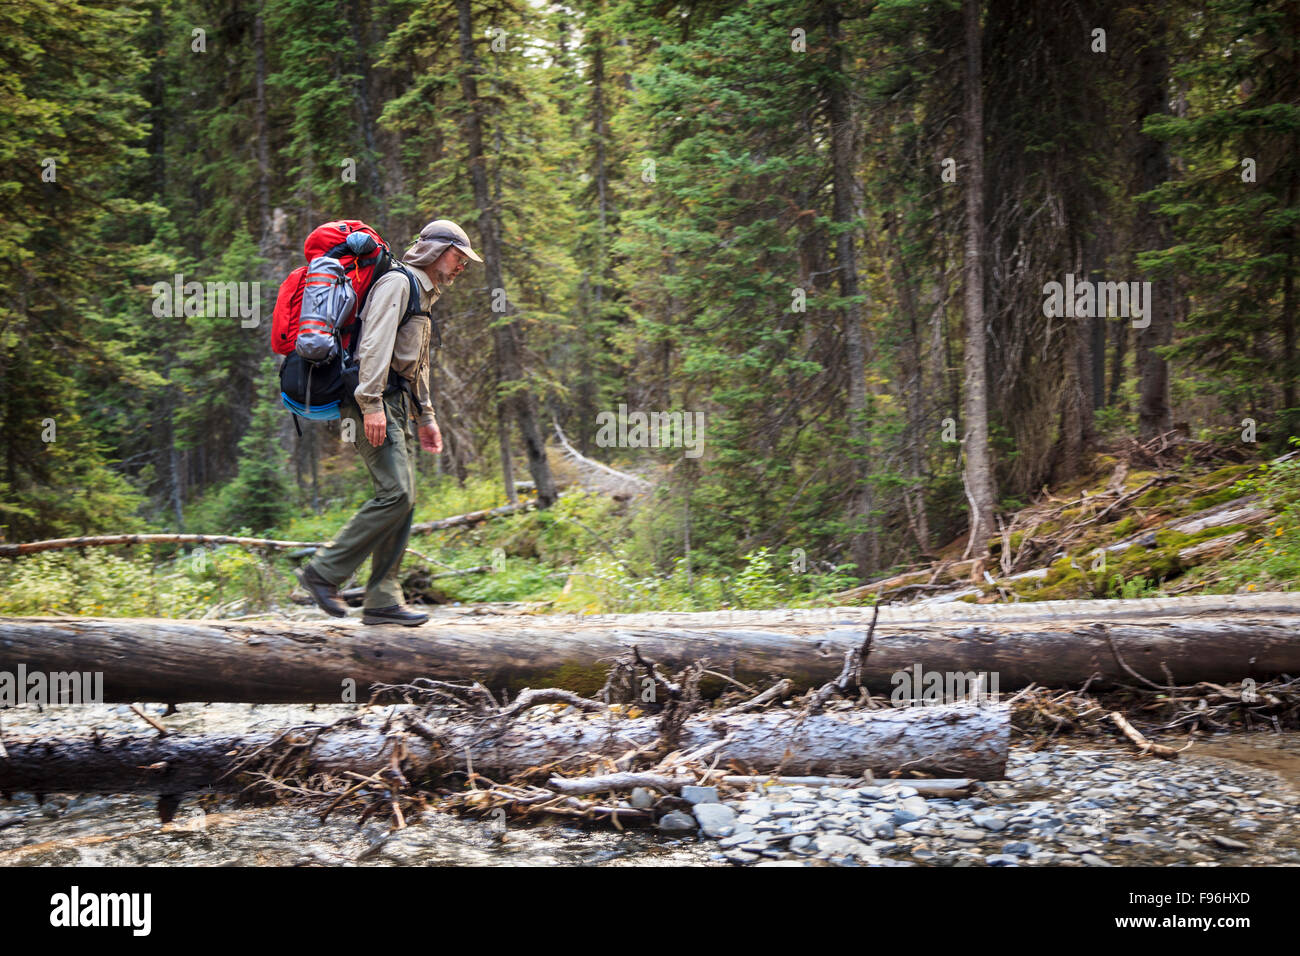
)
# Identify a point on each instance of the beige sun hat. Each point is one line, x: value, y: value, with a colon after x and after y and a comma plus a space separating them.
x: 434, y: 240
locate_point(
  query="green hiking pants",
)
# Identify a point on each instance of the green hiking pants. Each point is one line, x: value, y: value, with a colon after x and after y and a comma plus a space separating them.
x: 381, y: 528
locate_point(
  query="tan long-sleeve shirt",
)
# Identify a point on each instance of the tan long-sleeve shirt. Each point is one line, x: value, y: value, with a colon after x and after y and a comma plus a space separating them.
x: 384, y: 346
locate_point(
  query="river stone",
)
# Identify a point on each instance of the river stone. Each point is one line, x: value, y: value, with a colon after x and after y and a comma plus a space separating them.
x: 677, y: 822
x: 740, y: 856
x: 999, y: 859
x: 1228, y: 843
x: 739, y: 837
x: 1020, y: 848
x: 1093, y: 860
x: 715, y: 819
x: 700, y: 794
x: 837, y: 845
x: 642, y: 798
x: 989, y: 822
x: 967, y: 834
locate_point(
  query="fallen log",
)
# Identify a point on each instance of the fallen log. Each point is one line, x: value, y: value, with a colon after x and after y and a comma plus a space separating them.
x: 955, y: 740
x: 103, y: 540
x: 1220, y: 638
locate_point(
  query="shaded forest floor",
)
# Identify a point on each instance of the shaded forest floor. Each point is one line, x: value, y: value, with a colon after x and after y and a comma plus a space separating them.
x: 1139, y: 525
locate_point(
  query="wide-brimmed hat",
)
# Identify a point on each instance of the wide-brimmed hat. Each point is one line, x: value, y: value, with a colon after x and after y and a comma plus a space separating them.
x: 434, y: 240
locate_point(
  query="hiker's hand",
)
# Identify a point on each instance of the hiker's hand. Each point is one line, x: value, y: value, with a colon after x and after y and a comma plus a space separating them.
x: 431, y: 438
x: 376, y: 427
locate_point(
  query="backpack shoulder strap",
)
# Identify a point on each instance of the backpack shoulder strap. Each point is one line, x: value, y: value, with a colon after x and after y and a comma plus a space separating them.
x: 412, y: 299
x: 412, y: 308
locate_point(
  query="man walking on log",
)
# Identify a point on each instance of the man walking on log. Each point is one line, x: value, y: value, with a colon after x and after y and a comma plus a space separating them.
x: 393, y: 358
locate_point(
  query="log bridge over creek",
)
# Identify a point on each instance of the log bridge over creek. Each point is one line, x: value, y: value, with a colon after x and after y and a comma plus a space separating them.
x: 1184, y: 640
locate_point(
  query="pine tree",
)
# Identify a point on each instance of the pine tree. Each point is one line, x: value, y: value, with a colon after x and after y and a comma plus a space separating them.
x: 68, y: 118
x: 1235, y: 211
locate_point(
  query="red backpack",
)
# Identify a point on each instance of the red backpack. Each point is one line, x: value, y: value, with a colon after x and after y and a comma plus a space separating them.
x: 363, y: 268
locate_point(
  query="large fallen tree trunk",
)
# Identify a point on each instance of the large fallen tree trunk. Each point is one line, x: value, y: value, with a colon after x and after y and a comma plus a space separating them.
x: 962, y: 740
x: 1221, y: 638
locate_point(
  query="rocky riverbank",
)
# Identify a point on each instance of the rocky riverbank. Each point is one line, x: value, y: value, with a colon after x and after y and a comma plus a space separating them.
x: 1227, y: 800
x: 1065, y: 806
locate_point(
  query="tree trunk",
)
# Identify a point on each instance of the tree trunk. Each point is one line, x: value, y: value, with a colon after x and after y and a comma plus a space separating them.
x: 979, y: 468
x: 965, y: 740
x: 507, y: 333
x: 1056, y: 644
x: 914, y: 396
x: 1154, y: 414
x: 261, y: 134
x: 865, y: 542
x: 359, y: 22
x: 507, y: 461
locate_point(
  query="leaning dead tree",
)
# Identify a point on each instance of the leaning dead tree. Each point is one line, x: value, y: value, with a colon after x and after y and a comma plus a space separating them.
x: 601, y: 477
x: 1220, y: 638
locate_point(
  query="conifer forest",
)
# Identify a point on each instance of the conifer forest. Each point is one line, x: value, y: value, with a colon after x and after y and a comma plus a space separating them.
x: 810, y: 349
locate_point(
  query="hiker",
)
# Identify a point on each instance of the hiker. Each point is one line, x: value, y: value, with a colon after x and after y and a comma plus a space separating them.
x: 392, y: 391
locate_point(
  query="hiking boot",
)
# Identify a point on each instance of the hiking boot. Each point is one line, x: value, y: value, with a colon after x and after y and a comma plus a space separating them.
x: 393, y: 614
x: 322, y: 592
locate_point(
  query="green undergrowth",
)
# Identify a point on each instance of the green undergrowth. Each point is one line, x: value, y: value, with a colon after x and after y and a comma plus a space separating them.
x: 586, y: 554
x: 591, y: 554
